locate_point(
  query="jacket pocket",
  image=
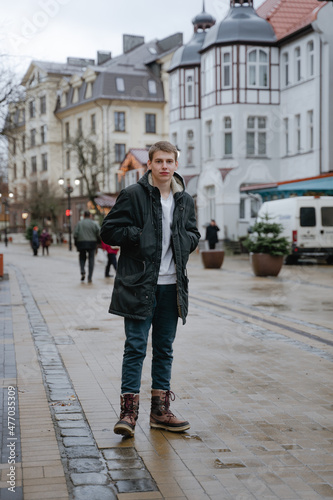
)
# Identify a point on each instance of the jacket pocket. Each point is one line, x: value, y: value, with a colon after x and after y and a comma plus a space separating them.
x: 130, y: 271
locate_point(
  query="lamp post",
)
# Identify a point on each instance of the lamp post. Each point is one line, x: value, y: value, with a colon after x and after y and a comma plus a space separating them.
x: 25, y: 215
x: 68, y: 190
x: 5, y: 203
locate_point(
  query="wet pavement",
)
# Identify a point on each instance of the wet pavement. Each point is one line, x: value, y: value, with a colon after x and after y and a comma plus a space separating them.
x: 252, y: 374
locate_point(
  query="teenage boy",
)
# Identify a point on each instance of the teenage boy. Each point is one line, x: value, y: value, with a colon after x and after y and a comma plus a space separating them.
x: 153, y: 222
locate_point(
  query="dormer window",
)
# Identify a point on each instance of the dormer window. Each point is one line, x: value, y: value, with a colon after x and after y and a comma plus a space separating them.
x: 120, y: 84
x: 152, y: 88
x: 257, y: 68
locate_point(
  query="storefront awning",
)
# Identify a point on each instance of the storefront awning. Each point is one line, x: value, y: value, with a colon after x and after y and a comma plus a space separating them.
x: 320, y: 185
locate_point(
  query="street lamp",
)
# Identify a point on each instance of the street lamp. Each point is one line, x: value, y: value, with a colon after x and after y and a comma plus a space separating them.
x: 68, y: 190
x: 25, y: 215
x: 5, y: 203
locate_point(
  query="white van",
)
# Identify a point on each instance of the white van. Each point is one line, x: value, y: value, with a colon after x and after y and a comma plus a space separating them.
x: 307, y: 222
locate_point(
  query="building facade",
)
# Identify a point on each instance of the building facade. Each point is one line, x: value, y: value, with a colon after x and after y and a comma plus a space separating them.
x: 251, y: 104
x: 100, y: 109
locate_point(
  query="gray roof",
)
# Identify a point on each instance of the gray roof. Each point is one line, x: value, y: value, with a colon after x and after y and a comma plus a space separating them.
x: 188, y: 55
x: 242, y: 24
x: 136, y: 68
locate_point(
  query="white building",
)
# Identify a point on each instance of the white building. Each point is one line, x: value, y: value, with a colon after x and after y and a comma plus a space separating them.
x: 251, y: 104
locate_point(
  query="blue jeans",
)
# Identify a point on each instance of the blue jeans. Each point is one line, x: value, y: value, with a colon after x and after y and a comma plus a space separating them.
x: 164, y: 325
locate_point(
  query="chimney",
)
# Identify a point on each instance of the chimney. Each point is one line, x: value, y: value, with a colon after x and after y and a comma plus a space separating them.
x: 103, y: 56
x: 130, y: 42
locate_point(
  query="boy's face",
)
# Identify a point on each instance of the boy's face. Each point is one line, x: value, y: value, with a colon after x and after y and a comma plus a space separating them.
x: 162, y: 166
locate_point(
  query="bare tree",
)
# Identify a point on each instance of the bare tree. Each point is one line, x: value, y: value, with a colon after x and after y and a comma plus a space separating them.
x: 90, y: 163
x: 44, y: 204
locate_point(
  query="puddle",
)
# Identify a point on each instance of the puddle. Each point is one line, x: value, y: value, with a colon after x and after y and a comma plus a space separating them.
x: 193, y: 436
x: 222, y: 465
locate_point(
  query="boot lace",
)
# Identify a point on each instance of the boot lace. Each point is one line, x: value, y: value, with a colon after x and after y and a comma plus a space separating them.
x: 169, y: 396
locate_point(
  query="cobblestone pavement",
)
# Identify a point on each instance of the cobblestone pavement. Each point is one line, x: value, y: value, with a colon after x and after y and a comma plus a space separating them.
x: 252, y: 374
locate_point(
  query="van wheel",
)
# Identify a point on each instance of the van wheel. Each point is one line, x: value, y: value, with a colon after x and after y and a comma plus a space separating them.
x: 291, y: 260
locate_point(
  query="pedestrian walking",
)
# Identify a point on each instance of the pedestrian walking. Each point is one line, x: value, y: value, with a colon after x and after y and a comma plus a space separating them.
x: 111, y: 253
x: 211, y: 234
x: 35, y: 241
x: 153, y: 222
x: 86, y: 238
x: 45, y: 239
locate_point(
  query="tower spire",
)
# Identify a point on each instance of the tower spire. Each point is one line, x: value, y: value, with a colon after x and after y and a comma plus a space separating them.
x: 203, y: 6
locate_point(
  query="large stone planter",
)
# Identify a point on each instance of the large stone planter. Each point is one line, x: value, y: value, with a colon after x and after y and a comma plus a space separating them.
x: 264, y: 264
x: 212, y: 259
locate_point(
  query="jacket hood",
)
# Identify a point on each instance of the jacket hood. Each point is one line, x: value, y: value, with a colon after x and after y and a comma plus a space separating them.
x: 177, y: 182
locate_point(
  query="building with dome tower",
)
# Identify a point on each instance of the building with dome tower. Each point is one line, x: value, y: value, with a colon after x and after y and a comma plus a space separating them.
x: 251, y: 106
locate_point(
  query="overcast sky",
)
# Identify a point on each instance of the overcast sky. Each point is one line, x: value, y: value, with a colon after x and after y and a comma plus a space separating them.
x: 52, y: 30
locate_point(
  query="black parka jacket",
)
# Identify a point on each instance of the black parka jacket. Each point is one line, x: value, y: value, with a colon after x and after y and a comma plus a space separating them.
x: 135, y: 224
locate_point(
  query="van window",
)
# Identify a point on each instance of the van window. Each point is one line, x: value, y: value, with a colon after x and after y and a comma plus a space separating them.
x: 327, y: 216
x: 308, y: 216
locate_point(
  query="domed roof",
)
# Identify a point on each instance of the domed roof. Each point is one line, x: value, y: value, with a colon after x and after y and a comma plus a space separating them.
x: 188, y: 55
x: 242, y: 24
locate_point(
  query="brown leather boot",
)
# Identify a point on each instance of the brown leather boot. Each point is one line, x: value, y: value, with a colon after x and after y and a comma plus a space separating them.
x: 161, y: 417
x: 129, y: 412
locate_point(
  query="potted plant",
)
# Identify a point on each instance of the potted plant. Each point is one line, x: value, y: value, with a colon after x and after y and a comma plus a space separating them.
x: 267, y: 247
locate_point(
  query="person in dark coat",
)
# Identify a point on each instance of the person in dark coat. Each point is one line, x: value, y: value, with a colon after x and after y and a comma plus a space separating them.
x: 153, y: 222
x: 45, y: 239
x: 35, y: 241
x: 211, y: 234
x: 86, y: 238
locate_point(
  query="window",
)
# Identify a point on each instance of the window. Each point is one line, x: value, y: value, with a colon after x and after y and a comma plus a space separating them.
x: 310, y: 130
x: 256, y: 136
x: 307, y: 216
x: 68, y: 160
x: 23, y: 143
x: 174, y: 91
x: 257, y: 68
x: 120, y: 84
x: 327, y: 216
x: 15, y: 171
x: 209, y: 72
x: 152, y: 88
x: 189, y: 147
x: 79, y: 126
x: 285, y: 67
x: 227, y: 136
x: 44, y: 162
x: 254, y: 207
x: 286, y: 135
x: 120, y: 152
x: 210, y: 209
x: 209, y: 139
x: 43, y: 105
x: 67, y: 131
x: 24, y: 169
x: 33, y: 137
x: 174, y: 139
x: 298, y: 66
x: 93, y: 154
x: 32, y: 109
x: 189, y: 90
x: 14, y: 146
x: 150, y: 123
x: 93, y: 123
x: 34, y: 164
x: 226, y: 69
x: 242, y: 208
x: 43, y: 130
x: 310, y: 58
x: 119, y: 121
x: 298, y: 132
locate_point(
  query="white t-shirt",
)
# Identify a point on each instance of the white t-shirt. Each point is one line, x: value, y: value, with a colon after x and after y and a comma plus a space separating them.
x: 167, y: 273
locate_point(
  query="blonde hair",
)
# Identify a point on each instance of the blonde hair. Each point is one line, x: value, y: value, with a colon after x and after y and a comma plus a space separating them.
x: 165, y: 146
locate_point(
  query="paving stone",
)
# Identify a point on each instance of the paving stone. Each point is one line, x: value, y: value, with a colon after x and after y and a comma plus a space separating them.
x: 134, y: 463
x: 82, y: 452
x: 94, y: 493
x: 119, y: 453
x: 78, y: 441
x: 135, y: 486
x: 85, y: 465
x: 118, y: 475
x: 67, y: 416
x: 89, y: 478
x: 72, y: 432
x: 71, y: 424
